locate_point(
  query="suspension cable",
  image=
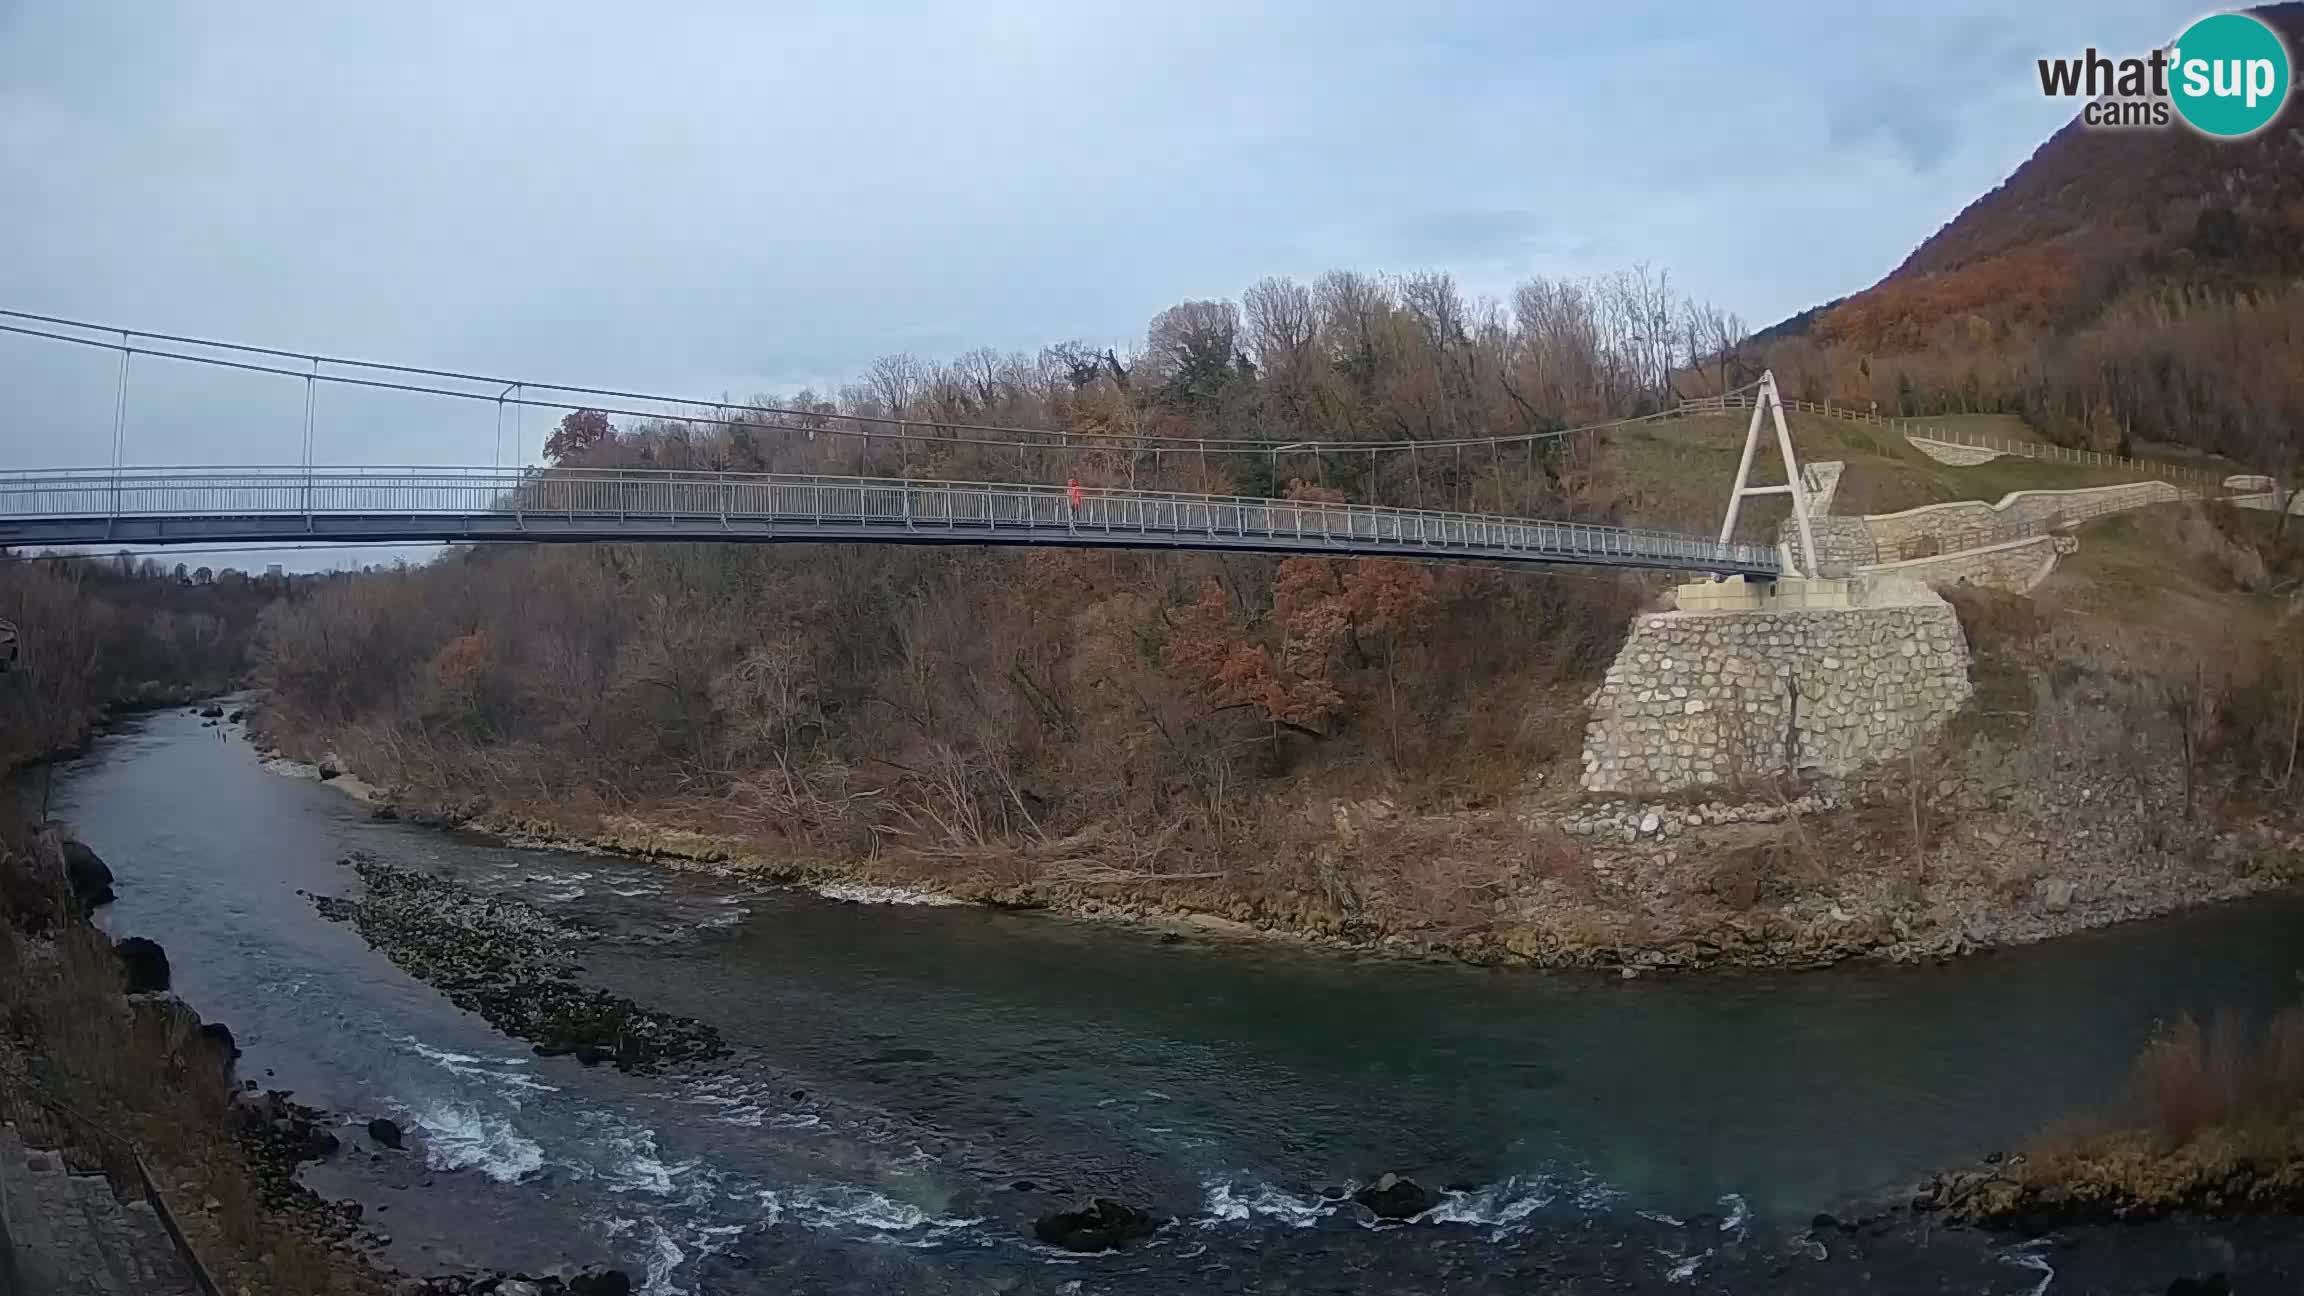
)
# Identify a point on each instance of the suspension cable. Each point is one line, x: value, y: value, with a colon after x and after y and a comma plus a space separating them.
x: 909, y: 428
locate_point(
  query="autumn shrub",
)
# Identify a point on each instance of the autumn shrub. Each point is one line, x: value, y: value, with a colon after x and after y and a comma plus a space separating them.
x: 2188, y: 1080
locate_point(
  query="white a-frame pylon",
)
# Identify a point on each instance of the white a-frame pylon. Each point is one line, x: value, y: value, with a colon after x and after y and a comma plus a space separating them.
x: 1766, y: 403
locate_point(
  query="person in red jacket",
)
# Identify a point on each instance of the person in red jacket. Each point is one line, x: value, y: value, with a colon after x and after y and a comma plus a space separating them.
x: 1072, y: 488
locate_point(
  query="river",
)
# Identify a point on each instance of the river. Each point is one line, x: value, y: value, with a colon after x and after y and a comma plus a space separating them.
x: 911, y: 1085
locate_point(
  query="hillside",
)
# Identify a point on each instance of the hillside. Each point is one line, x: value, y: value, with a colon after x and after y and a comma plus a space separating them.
x: 2094, y: 214
x: 2120, y: 288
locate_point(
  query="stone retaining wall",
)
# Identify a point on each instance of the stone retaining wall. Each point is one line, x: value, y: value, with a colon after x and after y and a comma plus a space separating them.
x: 2017, y: 566
x: 1953, y: 453
x: 1844, y: 544
x: 1702, y: 698
x: 1966, y: 524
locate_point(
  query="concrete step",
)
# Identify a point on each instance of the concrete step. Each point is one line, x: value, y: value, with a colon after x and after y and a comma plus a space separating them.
x: 73, y: 1237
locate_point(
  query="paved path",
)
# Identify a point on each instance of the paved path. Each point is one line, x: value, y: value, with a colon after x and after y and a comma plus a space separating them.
x: 72, y: 1237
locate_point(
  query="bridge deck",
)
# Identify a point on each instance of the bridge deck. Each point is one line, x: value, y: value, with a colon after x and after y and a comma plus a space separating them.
x: 205, y: 506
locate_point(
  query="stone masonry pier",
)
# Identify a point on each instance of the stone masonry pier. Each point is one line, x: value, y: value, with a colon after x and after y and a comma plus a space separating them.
x: 1742, y: 682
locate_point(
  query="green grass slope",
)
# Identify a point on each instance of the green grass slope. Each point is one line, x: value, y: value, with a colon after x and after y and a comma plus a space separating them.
x: 1676, y: 473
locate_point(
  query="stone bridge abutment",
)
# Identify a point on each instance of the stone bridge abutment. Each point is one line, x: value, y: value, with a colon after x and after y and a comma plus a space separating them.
x: 1743, y: 681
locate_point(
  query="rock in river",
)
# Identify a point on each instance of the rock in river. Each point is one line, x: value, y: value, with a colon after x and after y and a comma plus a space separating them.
x: 1101, y: 1225
x: 384, y: 1133
x: 1395, y: 1198
x: 145, y: 964
x: 515, y: 965
x: 600, y: 1282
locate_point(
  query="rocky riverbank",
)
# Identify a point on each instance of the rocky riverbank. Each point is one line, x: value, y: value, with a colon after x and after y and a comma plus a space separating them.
x: 2130, y: 1181
x: 1892, y: 866
x: 514, y: 965
x: 99, y: 1060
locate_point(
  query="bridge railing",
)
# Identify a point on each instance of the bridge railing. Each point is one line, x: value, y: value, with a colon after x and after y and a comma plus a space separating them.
x: 612, y: 497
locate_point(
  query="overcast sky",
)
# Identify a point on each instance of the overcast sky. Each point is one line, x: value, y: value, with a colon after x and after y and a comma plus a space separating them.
x: 726, y: 196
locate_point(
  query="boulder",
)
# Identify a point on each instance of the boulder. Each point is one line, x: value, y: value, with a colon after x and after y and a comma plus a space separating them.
x: 600, y: 1282
x: 236, y: 717
x: 1101, y: 1225
x: 1395, y: 1198
x: 145, y: 964
x: 211, y: 713
x: 2055, y: 894
x: 167, y: 1023
x: 329, y: 769
x: 251, y: 1110
x: 86, y: 872
x: 307, y: 1140
x: 384, y: 1133
x: 219, y: 1035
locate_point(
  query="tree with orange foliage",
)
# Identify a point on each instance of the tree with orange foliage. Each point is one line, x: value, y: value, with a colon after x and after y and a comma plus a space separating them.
x: 1329, y: 612
x: 1359, y: 607
x: 578, y: 435
x: 460, y: 670
x: 460, y: 659
x: 1204, y: 644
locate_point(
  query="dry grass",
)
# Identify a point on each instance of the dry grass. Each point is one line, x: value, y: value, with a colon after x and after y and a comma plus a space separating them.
x: 2170, y: 567
x: 2189, y: 1080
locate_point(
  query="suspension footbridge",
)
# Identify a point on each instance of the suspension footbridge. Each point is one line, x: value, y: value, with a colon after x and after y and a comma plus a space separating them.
x: 123, y: 505
x: 291, y: 505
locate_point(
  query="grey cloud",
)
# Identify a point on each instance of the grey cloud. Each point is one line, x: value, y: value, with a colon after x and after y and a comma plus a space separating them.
x: 1899, y: 118
x: 1479, y: 235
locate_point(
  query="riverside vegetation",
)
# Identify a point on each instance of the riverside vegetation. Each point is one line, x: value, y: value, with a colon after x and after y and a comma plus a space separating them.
x: 2214, y: 1124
